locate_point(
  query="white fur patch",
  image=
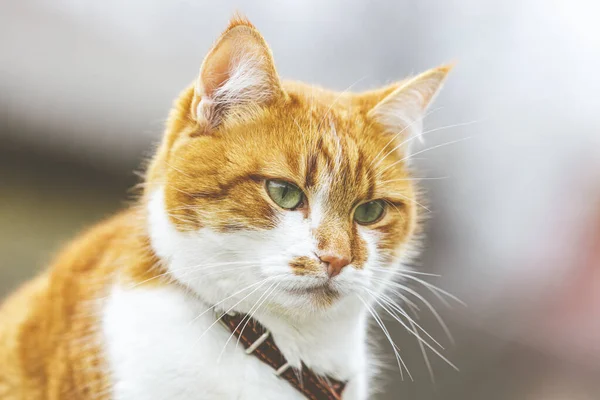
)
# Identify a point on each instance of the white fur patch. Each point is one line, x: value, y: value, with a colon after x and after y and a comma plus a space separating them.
x: 158, y: 347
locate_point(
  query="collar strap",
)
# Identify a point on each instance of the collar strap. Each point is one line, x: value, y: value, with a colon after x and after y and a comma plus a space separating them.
x: 259, y: 342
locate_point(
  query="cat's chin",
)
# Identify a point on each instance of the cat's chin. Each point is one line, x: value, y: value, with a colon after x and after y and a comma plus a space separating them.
x: 323, y: 290
x: 297, y: 304
x: 319, y: 296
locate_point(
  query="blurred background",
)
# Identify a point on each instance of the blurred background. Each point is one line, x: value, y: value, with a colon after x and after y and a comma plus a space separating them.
x: 514, y: 228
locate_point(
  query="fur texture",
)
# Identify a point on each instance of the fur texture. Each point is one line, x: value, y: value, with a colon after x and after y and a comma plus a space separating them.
x: 129, y: 310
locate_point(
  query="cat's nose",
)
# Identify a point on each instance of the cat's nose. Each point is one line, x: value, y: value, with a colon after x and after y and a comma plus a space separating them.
x: 335, y: 263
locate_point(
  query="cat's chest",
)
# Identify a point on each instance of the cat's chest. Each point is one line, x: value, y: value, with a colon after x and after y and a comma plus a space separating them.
x: 158, y: 348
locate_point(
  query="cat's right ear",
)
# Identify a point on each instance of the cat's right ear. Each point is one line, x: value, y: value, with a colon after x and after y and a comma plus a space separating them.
x: 237, y: 76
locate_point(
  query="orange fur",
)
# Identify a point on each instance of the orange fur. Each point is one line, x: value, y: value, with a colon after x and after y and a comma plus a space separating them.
x: 50, y: 347
x: 213, y: 167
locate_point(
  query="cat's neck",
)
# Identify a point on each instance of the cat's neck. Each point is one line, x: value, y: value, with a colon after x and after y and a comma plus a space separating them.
x: 330, y: 343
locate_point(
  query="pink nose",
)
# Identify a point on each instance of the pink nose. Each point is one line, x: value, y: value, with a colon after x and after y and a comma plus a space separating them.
x: 335, y: 263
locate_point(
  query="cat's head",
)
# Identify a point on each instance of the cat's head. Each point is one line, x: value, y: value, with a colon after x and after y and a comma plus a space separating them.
x: 281, y: 189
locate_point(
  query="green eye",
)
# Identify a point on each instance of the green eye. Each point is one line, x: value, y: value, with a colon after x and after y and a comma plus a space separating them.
x: 369, y: 213
x: 285, y: 194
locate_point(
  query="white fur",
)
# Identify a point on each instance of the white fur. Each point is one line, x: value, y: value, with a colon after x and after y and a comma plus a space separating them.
x: 158, y: 348
x: 248, y: 80
x: 155, y: 354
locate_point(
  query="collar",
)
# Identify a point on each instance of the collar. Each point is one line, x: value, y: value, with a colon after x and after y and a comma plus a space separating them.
x: 259, y: 342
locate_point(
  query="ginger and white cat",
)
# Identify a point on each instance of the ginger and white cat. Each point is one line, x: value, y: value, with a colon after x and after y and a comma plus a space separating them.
x: 278, y: 199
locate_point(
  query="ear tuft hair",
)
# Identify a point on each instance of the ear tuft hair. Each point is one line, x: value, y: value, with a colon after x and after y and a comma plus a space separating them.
x: 237, y: 75
x: 239, y: 19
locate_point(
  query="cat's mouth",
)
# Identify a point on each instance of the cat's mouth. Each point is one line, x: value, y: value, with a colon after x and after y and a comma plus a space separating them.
x: 325, y: 290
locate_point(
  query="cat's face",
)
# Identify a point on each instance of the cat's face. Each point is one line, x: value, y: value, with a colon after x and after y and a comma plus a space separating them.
x: 293, y: 193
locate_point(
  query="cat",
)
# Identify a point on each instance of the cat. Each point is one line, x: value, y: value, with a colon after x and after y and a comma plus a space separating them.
x: 287, y: 202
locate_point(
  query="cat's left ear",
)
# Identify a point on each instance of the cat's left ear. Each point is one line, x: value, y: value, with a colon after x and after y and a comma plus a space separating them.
x: 400, y: 109
x: 237, y: 76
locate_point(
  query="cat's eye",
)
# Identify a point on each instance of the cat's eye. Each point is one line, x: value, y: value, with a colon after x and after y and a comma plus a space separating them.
x: 286, y: 195
x: 369, y: 213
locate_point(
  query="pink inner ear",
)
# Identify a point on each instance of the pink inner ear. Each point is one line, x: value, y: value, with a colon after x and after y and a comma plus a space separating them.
x: 216, y: 69
x: 238, y: 71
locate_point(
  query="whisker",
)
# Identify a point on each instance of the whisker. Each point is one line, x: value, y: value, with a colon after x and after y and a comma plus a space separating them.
x: 230, y: 269
x: 240, y: 323
x: 414, y: 307
x: 436, y: 290
x: 228, y: 311
x: 411, y: 200
x: 394, y: 306
x: 451, y: 126
x: 427, y: 132
x: 427, y: 304
x: 191, y: 270
x: 421, y: 346
x: 425, y: 357
x: 251, y: 314
x: 418, y: 337
x: 392, y: 205
x: 423, y: 151
x: 418, y: 179
x: 260, y: 283
x: 408, y: 271
x: 395, y: 348
x: 394, y: 138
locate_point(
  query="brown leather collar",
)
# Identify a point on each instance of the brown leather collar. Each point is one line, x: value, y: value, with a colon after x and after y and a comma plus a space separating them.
x: 258, y: 341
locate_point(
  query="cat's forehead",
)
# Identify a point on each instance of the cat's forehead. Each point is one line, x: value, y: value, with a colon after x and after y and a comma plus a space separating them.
x: 329, y: 150
x: 321, y: 141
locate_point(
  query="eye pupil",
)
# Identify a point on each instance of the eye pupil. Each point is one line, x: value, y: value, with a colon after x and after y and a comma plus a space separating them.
x: 370, y: 212
x: 286, y: 195
x: 284, y: 191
